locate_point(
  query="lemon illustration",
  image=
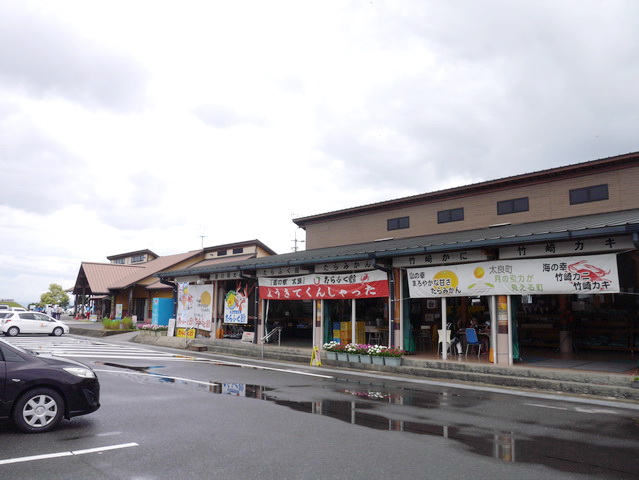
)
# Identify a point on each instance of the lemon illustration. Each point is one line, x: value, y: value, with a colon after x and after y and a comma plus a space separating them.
x: 230, y: 299
x: 205, y: 299
x: 446, y: 279
x: 479, y: 272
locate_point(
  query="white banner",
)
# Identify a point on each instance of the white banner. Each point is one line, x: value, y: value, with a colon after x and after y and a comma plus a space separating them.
x: 236, y: 307
x: 194, y: 306
x: 542, y: 276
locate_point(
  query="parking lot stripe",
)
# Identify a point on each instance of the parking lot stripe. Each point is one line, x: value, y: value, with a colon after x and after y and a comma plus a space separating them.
x: 66, y: 454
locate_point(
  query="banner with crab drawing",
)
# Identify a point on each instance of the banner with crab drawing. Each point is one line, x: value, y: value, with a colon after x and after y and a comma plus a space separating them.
x: 542, y: 276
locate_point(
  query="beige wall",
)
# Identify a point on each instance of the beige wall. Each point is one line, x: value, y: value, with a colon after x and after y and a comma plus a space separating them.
x: 549, y: 200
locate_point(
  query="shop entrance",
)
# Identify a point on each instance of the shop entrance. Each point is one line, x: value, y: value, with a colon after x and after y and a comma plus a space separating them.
x: 371, y: 321
x: 295, y: 317
x: 425, y: 319
x: 587, y: 332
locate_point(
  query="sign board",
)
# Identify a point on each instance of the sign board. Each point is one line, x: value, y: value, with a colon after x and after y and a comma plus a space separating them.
x: 195, y: 304
x: 282, y: 271
x: 235, y: 307
x: 336, y: 267
x: 557, y: 275
x: 572, y: 247
x: 171, y: 330
x: 186, y: 332
x: 247, y: 337
x: 118, y: 311
x: 369, y: 284
x: 440, y: 258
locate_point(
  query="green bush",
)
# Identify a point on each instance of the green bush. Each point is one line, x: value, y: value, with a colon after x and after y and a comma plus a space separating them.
x: 127, y: 323
x: 110, y: 323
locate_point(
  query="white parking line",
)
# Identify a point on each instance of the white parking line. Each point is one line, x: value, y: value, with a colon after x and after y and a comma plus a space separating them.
x: 66, y: 454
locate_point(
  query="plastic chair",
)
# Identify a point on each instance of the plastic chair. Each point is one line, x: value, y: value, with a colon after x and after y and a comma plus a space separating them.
x: 472, y: 340
x: 440, y: 339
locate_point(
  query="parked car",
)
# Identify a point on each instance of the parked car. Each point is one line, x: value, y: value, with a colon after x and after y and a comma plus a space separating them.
x: 44, y: 389
x: 15, y: 323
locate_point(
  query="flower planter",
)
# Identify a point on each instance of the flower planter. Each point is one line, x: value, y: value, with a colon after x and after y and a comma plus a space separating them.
x: 635, y: 384
x: 342, y: 357
x: 365, y: 359
x: 331, y: 355
x: 353, y: 357
x: 393, y: 361
x: 378, y: 360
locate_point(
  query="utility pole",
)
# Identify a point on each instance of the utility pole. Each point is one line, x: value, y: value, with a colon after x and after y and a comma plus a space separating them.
x: 295, y: 242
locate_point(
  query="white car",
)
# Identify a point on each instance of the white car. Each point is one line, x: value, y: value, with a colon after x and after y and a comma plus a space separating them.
x: 15, y: 323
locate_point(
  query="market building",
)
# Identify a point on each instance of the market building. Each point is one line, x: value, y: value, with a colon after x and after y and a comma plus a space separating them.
x: 128, y: 285
x: 544, y: 260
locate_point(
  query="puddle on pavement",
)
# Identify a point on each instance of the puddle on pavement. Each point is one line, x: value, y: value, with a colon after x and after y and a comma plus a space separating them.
x: 565, y: 455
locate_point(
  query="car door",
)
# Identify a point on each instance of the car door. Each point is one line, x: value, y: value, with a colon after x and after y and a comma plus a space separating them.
x: 44, y: 323
x: 27, y: 322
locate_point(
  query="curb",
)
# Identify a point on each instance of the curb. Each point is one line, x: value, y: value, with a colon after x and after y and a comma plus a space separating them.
x: 541, y: 379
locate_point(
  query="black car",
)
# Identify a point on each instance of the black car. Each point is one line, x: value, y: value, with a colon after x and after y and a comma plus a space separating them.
x: 37, y: 391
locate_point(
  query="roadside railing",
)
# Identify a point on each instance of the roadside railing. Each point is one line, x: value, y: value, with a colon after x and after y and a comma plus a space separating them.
x: 267, y: 337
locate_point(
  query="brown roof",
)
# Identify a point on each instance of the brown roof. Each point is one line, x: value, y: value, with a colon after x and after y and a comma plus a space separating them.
x: 151, y: 268
x: 217, y: 261
x: 97, y: 277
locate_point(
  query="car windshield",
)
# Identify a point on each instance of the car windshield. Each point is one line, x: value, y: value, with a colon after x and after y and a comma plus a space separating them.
x: 15, y: 347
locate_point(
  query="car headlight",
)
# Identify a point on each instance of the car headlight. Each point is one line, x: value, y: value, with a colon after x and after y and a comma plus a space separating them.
x: 80, y: 372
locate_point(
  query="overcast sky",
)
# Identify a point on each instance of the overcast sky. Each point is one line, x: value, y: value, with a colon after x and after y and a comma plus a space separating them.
x: 127, y: 125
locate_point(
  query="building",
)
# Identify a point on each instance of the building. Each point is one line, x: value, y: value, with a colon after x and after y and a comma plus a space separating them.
x: 128, y: 285
x: 561, y: 243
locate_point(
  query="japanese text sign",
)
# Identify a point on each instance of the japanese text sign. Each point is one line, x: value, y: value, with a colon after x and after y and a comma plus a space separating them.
x: 371, y: 284
x: 557, y: 275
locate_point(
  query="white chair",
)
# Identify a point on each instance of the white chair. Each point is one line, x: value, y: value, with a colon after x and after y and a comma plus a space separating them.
x: 440, y: 339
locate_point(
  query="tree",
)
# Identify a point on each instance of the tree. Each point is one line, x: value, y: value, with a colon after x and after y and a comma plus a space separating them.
x: 55, y: 296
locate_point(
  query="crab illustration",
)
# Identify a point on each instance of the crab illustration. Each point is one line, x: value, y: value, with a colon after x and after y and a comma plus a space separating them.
x: 587, y: 271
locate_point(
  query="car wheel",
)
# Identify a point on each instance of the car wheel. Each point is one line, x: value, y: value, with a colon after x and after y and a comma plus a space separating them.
x: 38, y: 410
x: 57, y: 331
x: 13, y: 332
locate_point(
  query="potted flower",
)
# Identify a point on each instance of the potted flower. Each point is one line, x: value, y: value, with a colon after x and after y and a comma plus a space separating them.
x: 342, y: 356
x: 157, y: 330
x: 331, y: 350
x: 393, y: 357
x: 353, y: 350
x: 375, y: 351
x: 364, y: 355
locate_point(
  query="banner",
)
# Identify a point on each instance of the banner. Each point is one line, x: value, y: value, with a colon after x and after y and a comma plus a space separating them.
x: 195, y: 306
x: 236, y: 307
x: 371, y: 284
x: 543, y: 276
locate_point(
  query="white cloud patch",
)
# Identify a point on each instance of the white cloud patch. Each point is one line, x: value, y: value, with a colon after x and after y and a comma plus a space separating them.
x: 130, y: 125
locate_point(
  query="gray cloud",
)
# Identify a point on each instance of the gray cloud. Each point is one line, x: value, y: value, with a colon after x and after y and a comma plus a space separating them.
x: 38, y: 174
x: 44, y: 57
x: 222, y: 116
x: 516, y: 88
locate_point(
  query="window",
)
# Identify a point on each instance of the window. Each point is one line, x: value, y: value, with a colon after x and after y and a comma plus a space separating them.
x: 137, y: 258
x: 453, y: 215
x: 118, y: 260
x: 512, y: 206
x: 589, y: 194
x: 238, y: 250
x: 221, y: 253
x: 397, y: 223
